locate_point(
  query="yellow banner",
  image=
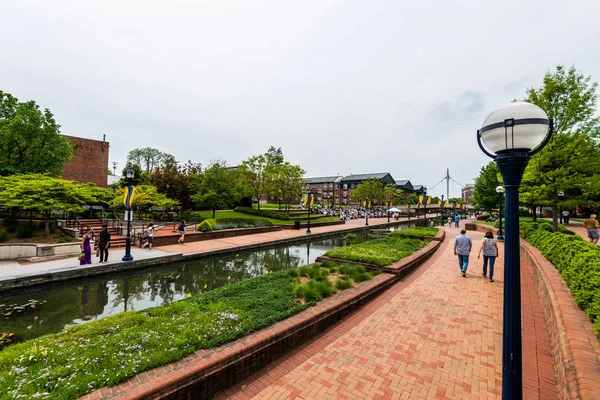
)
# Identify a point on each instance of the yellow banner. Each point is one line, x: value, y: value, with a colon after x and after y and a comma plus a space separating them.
x: 428, y: 199
x: 420, y: 199
x: 127, y: 197
x: 439, y: 203
x: 369, y: 206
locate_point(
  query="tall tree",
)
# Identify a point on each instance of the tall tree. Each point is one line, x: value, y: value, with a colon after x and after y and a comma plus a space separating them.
x: 570, y: 99
x: 145, y: 196
x: 484, y: 195
x: 30, y: 140
x: 148, y: 159
x: 173, y: 180
x: 255, y: 173
x: 288, y: 182
x: 217, y: 187
x: 371, y: 188
x: 391, y: 194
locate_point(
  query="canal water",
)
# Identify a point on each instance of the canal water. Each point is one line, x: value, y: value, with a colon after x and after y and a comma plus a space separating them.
x: 47, y: 309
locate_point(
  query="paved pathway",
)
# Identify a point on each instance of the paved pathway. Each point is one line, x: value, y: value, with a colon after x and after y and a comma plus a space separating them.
x: 434, y: 335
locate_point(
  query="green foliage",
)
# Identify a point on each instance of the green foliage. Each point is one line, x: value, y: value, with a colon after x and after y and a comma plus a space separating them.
x: 25, y: 231
x: 148, y: 159
x: 111, y: 350
x: 286, y: 182
x: 357, y: 273
x: 173, y: 180
x: 343, y: 284
x: 578, y: 262
x: 190, y: 217
x: 3, y: 235
x: 371, y: 188
x: 412, y: 199
x: 381, y: 252
x: 217, y: 187
x: 230, y: 223
x: 145, y: 196
x: 30, y: 140
x: 262, y: 213
x: 484, y: 195
x: 415, y: 233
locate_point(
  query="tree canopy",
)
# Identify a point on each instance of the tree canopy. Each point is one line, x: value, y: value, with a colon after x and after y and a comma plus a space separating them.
x: 148, y: 159
x: 484, y: 195
x: 217, y: 187
x: 371, y: 188
x: 30, y: 139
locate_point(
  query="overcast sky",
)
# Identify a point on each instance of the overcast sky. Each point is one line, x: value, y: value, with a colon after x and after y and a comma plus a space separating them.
x: 340, y: 86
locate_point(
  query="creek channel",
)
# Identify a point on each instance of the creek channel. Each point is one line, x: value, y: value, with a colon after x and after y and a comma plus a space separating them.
x: 28, y: 313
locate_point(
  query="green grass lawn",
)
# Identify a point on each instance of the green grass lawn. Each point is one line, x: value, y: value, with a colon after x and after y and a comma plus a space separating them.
x: 235, y: 214
x: 100, y: 353
x: 385, y: 251
x: 416, y: 233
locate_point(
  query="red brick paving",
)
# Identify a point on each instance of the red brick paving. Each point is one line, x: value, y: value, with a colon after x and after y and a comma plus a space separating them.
x: 433, y: 335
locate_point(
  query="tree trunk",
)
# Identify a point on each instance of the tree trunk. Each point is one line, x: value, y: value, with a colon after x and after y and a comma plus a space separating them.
x: 534, y: 208
x: 47, y: 225
x: 555, y: 217
x: 214, y: 213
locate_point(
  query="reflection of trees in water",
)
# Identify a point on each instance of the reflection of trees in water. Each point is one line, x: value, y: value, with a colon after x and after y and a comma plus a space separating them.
x: 128, y: 289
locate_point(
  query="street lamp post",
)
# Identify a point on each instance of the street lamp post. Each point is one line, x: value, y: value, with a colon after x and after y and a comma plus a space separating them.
x: 280, y: 199
x: 442, y: 210
x: 500, y: 191
x: 513, y: 134
x: 308, y: 201
x: 128, y: 257
x: 560, y: 197
x: 366, y: 212
x: 425, y: 209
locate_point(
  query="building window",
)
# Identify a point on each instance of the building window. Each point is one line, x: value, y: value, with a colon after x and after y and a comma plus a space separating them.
x: 345, y: 186
x: 352, y: 186
x: 344, y: 202
x: 337, y: 185
x: 337, y: 201
x: 345, y: 194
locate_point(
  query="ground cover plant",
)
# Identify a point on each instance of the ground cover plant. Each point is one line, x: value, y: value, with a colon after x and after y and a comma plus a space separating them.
x: 105, y: 352
x: 577, y: 261
x: 416, y: 233
x: 230, y: 223
x: 274, y: 220
x: 382, y: 252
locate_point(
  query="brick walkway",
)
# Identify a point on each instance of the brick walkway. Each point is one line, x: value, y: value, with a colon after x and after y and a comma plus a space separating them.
x: 434, y: 335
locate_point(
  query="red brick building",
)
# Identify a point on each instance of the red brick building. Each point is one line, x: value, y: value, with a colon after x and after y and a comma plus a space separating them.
x: 89, y: 163
x: 467, y: 193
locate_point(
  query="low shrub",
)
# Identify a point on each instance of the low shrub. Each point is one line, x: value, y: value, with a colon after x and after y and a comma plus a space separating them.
x: 416, y: 233
x: 577, y: 261
x: 313, y: 291
x: 3, y: 236
x: 230, y: 223
x: 262, y: 213
x: 343, y: 284
x: 25, y: 231
x: 65, y: 239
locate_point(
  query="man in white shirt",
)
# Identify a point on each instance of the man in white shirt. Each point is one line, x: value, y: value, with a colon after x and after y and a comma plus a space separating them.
x: 462, y: 249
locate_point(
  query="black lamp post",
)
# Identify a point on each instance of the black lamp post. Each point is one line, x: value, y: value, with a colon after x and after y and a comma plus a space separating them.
x: 308, y: 201
x: 366, y: 212
x: 425, y: 209
x: 442, y: 210
x: 512, y: 134
x: 128, y: 257
x: 560, y: 197
x: 388, y: 210
x: 500, y: 191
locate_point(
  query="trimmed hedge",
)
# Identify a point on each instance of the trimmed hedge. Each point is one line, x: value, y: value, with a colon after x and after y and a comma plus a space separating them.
x: 262, y: 213
x: 415, y: 233
x: 230, y: 223
x: 578, y: 262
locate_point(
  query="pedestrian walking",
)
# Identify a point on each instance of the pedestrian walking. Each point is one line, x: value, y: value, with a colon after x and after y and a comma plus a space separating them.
x: 456, y: 220
x: 449, y: 222
x: 149, y: 235
x: 181, y: 230
x: 489, y: 247
x: 462, y: 249
x: 104, y: 243
x: 566, y: 217
x: 591, y: 224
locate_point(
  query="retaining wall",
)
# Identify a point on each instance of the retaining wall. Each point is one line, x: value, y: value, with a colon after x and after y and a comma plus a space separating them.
x: 575, y: 352
x: 31, y: 250
x: 164, y: 240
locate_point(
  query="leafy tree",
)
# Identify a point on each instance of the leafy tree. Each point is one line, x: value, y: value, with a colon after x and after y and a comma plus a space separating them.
x: 570, y: 158
x: 30, y: 140
x: 37, y: 192
x: 174, y: 179
x: 371, y: 188
x: 217, y: 187
x: 274, y: 156
x: 288, y: 181
x: 145, y: 196
x: 412, y: 199
x: 139, y: 176
x: 255, y: 173
x: 484, y: 195
x: 149, y: 159
x: 391, y: 194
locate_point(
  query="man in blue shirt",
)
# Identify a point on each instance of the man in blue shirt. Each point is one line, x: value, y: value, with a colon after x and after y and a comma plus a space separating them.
x: 456, y: 220
x: 462, y: 249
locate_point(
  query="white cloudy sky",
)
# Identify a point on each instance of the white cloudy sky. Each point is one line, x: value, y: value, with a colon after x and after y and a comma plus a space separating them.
x: 341, y: 86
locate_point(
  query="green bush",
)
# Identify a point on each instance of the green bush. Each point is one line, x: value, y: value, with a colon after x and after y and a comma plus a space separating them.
x: 3, y: 236
x: 416, y: 233
x: 262, y: 213
x: 313, y: 291
x: 381, y: 252
x: 343, y: 284
x: 230, y: 223
x: 25, y: 231
x: 577, y: 261
x: 65, y: 239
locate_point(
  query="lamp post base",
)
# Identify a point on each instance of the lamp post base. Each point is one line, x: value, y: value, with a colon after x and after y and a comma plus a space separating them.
x: 127, y: 257
x: 500, y: 238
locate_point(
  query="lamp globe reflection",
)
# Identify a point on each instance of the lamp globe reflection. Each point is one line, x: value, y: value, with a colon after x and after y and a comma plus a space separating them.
x: 511, y: 135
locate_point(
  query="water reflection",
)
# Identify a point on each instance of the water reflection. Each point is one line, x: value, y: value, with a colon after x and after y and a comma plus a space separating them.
x: 83, y: 300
